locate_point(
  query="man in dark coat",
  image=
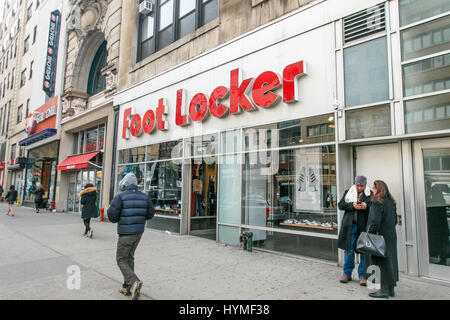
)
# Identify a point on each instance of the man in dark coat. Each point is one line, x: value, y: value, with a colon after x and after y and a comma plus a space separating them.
x: 89, y: 210
x: 131, y: 209
x: 356, y: 203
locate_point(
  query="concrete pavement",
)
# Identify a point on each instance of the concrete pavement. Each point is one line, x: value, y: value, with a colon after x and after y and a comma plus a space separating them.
x: 37, y: 252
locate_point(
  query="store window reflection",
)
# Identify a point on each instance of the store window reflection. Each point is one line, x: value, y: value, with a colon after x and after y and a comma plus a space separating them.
x: 415, y: 10
x: 427, y: 114
x: 319, y: 129
x: 137, y: 169
x: 427, y: 75
x: 132, y: 155
x: 436, y: 164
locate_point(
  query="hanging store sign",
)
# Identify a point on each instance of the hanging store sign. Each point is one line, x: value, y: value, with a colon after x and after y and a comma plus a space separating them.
x: 42, y: 118
x: 52, y: 53
x: 244, y: 95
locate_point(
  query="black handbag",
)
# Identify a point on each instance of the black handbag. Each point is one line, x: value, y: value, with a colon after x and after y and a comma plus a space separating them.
x: 373, y: 244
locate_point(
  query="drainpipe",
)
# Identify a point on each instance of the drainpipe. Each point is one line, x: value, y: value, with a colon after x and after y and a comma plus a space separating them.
x: 114, y: 148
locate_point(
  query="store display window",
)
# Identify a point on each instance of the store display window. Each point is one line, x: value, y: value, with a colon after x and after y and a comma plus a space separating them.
x: 290, y: 189
x: 163, y: 183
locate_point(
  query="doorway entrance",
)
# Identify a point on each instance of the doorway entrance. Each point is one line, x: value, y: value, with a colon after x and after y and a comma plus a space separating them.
x: 432, y: 184
x: 203, y: 208
x: 77, y: 180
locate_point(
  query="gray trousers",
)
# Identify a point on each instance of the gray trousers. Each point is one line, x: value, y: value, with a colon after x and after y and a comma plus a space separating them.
x: 126, y: 246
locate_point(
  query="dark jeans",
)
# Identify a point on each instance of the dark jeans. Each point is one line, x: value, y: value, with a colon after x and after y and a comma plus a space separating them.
x: 349, y: 257
x: 87, y: 224
x: 126, y: 246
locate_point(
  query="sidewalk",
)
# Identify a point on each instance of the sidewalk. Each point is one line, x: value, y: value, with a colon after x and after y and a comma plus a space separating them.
x: 38, y: 249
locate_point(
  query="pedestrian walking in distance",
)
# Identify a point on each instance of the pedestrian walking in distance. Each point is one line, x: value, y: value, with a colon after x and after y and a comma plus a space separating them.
x: 382, y: 221
x: 1, y: 193
x: 356, y: 203
x: 11, y: 198
x: 130, y: 209
x: 89, y: 210
x: 39, y: 197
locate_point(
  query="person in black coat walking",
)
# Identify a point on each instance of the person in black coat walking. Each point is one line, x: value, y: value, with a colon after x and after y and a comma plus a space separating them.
x: 356, y: 203
x: 89, y: 210
x: 39, y: 197
x: 11, y: 198
x: 382, y: 221
x: 130, y: 209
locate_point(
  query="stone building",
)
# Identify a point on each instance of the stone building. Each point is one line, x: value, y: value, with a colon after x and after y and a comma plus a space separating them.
x: 10, y: 37
x: 87, y: 120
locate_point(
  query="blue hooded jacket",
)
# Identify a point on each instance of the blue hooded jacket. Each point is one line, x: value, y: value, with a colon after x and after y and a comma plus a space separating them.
x: 131, y: 209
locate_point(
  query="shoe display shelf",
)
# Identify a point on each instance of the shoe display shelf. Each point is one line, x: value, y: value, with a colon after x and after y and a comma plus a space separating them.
x: 307, y: 226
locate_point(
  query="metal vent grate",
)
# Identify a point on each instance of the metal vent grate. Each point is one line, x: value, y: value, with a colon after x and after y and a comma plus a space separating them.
x: 364, y: 23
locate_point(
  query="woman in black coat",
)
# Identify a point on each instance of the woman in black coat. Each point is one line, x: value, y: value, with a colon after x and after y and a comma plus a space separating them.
x: 382, y: 220
x: 89, y: 210
x: 39, y: 197
x: 11, y: 197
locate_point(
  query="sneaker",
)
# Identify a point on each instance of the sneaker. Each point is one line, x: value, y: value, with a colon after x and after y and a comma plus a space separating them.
x: 136, y: 289
x: 125, y: 290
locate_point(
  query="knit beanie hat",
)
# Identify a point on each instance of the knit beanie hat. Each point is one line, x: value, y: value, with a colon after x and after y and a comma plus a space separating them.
x: 360, y: 181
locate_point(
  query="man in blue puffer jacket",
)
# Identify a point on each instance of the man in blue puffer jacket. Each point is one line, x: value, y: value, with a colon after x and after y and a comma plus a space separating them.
x: 131, y: 209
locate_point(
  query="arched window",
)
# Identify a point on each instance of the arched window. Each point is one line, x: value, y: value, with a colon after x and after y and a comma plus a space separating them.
x: 96, y: 82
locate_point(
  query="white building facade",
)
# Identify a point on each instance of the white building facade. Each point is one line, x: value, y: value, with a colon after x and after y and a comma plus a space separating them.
x: 266, y: 131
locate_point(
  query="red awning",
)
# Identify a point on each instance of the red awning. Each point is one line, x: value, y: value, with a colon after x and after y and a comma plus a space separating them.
x: 76, y: 162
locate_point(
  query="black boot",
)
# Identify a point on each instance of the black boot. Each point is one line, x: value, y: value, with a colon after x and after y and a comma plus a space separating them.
x: 391, y: 291
x: 383, y: 293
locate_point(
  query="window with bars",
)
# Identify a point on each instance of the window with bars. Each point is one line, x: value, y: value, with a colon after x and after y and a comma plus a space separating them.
x: 171, y: 20
x: 364, y: 23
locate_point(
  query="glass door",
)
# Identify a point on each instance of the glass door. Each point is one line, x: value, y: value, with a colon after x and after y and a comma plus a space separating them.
x: 432, y: 167
x: 71, y: 207
x: 203, y: 209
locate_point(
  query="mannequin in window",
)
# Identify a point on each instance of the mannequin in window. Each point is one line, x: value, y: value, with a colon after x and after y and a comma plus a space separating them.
x: 197, y: 188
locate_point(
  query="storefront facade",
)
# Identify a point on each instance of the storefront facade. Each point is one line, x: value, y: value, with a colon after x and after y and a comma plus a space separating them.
x: 82, y: 160
x: 265, y: 132
x: 39, y: 150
